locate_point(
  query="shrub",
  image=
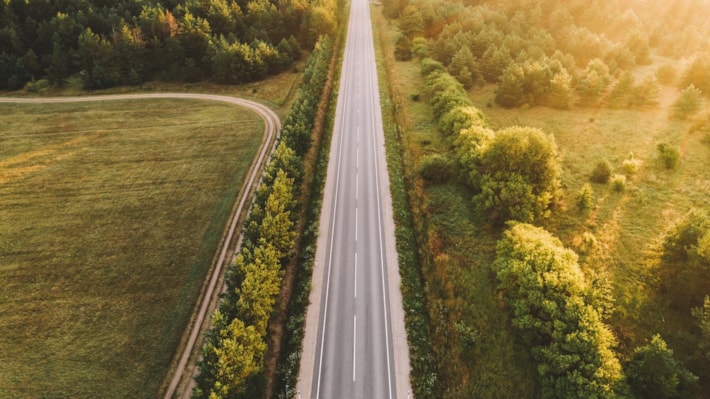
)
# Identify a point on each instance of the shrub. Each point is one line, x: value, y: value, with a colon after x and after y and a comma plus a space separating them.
x: 655, y: 373
x: 601, y: 172
x: 589, y: 241
x: 403, y: 49
x: 585, y: 197
x: 618, y: 183
x: 430, y: 66
x: 436, y: 168
x: 520, y: 175
x: 630, y: 166
x: 688, y: 102
x: 420, y: 47
x: 460, y: 118
x: 669, y: 155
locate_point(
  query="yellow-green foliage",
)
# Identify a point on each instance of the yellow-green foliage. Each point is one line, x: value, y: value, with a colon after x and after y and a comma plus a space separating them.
x: 548, y: 295
x: 254, y: 280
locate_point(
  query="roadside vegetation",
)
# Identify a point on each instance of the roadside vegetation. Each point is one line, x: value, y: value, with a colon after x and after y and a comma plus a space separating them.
x: 111, y: 214
x: 234, y: 353
x: 553, y: 157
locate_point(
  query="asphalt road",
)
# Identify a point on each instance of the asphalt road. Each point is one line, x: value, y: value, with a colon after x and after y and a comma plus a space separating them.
x: 180, y: 381
x: 354, y: 349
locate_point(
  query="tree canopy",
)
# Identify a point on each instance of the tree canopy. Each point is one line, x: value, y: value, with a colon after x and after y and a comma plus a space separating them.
x: 128, y: 42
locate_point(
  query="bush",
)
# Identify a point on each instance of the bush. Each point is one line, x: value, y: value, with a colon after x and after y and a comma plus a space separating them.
x: 436, y: 168
x: 618, y: 183
x: 403, y: 49
x: 460, y: 118
x: 688, y: 102
x: 601, y: 172
x: 669, y: 155
x: 630, y: 166
x: 520, y: 175
x: 655, y: 373
x: 585, y: 197
x: 589, y: 241
x: 430, y: 66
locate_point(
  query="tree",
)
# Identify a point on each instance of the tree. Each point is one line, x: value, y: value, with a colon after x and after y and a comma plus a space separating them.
x: 637, y: 42
x: 511, y: 90
x: 654, y: 372
x: 546, y: 291
x: 411, y: 21
x: 585, y: 197
x: 560, y: 94
x: 601, y: 172
x: 58, y: 69
x: 403, y: 49
x: 322, y: 22
x: 646, y: 93
x: 688, y: 102
x: 698, y: 73
x: 420, y: 47
x: 520, y: 175
x: 620, y: 95
x: 702, y: 318
x: 669, y: 155
x: 685, y: 259
x: 239, y: 356
x: 594, y: 80
x: 464, y: 68
x: 494, y: 62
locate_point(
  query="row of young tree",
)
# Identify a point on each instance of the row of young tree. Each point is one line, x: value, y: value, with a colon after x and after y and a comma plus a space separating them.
x: 549, y: 53
x: 233, y: 353
x: 514, y: 172
x: 515, y: 176
x: 129, y: 41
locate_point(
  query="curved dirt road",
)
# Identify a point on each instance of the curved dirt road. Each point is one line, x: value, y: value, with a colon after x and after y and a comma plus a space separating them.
x: 271, y: 130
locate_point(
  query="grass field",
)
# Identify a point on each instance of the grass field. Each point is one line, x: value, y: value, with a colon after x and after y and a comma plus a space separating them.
x: 110, y: 215
x: 477, y: 353
x: 626, y: 225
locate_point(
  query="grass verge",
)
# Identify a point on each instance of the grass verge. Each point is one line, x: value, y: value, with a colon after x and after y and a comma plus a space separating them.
x: 110, y: 215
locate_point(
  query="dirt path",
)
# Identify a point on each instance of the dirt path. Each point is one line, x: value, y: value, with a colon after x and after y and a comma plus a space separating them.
x: 183, y: 370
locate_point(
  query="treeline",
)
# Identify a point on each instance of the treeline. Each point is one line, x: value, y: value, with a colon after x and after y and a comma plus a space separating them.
x: 556, y: 53
x: 233, y: 353
x: 127, y: 42
x: 514, y: 174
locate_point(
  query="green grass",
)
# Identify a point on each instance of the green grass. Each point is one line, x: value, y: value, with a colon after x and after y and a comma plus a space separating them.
x: 110, y: 215
x: 627, y: 225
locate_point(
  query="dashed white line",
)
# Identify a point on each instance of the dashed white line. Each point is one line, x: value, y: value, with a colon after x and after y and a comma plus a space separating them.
x: 355, y: 278
x: 354, y: 343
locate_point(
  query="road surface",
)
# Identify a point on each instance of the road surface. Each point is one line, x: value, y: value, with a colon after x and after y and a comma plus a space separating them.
x: 358, y: 349
x: 272, y: 126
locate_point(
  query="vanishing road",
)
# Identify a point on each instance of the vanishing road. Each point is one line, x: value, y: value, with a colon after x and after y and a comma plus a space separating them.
x: 183, y: 372
x: 355, y: 345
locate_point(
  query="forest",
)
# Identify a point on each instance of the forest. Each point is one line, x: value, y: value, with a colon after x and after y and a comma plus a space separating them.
x: 110, y: 43
x: 541, y: 141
